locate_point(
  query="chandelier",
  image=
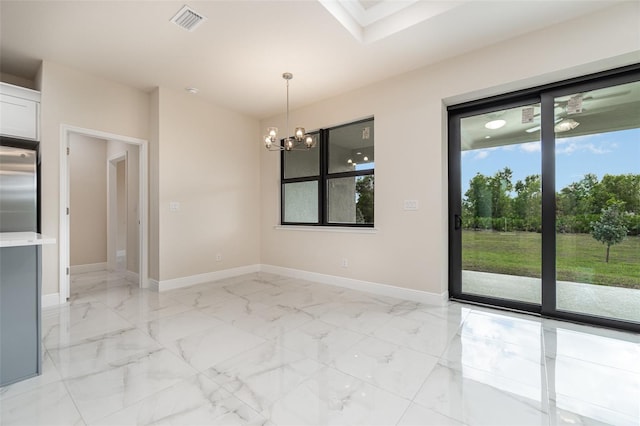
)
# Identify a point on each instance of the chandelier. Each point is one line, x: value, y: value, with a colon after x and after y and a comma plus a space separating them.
x: 299, y: 141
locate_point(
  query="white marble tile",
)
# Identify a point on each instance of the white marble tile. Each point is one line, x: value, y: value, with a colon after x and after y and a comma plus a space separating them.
x: 391, y: 367
x: 303, y: 297
x: 46, y: 405
x: 98, y: 280
x: 568, y: 411
x: 71, y: 324
x: 507, y: 327
x: 264, y: 277
x: 363, y: 316
x: 518, y: 363
x: 248, y: 286
x: 144, y: 308
x: 194, y: 401
x: 334, y: 398
x: 122, y: 352
x: 475, y: 397
x: 417, y: 415
x: 126, y: 382
x: 204, y: 297
x: 234, y: 308
x: 212, y: 346
x: 49, y: 375
x: 428, y: 337
x: 452, y: 312
x: 108, y: 296
x: 97, y: 353
x: 320, y: 341
x: 264, y: 374
x: 603, y: 350
x: 576, y: 380
x: 168, y: 329
x: 272, y: 322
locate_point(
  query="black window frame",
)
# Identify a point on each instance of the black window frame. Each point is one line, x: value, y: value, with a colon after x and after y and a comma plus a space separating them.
x: 323, y: 179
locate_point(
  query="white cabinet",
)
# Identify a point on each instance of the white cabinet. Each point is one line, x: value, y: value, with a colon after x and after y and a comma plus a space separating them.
x: 19, y: 112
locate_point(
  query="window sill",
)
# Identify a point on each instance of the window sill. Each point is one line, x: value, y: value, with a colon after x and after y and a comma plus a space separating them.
x: 338, y: 229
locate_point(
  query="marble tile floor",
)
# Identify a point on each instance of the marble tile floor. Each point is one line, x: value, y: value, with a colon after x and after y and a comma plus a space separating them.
x: 263, y: 349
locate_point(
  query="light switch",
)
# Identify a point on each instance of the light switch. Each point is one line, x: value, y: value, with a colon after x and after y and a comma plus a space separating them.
x: 174, y: 206
x: 411, y: 204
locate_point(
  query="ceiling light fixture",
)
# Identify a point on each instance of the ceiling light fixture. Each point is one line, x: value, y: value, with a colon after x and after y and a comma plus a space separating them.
x: 299, y: 141
x: 495, y: 124
x: 566, y: 125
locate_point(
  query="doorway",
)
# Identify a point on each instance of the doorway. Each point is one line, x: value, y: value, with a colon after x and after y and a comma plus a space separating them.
x: 544, y: 186
x: 118, y: 237
x: 140, y: 256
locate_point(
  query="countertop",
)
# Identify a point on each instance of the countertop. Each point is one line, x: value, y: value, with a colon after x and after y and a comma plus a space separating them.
x: 16, y: 239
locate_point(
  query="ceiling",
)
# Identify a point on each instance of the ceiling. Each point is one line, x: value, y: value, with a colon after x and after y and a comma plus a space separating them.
x: 602, y: 110
x: 237, y: 56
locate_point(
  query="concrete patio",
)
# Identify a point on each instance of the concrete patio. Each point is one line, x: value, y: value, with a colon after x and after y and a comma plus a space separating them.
x: 613, y: 302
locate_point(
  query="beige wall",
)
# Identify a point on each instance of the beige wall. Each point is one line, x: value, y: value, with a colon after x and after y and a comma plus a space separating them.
x: 410, y: 248
x: 133, y: 195
x: 78, y: 99
x: 88, y: 200
x: 208, y: 162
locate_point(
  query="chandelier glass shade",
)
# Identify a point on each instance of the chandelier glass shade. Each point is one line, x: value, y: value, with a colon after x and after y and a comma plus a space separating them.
x: 299, y: 141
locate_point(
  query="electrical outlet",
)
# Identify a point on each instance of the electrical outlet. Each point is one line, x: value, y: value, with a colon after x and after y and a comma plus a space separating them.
x: 174, y: 206
x: 345, y: 263
x: 218, y: 257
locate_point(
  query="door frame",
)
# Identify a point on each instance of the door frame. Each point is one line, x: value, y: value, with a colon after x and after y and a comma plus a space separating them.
x: 143, y: 204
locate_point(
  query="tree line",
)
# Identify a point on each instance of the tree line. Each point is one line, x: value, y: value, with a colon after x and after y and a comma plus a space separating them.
x: 495, y: 202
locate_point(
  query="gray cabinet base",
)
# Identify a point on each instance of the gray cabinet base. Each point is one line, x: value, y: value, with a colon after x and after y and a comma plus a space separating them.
x: 20, y: 355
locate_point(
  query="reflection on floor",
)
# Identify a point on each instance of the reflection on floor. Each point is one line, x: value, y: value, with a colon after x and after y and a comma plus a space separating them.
x: 265, y: 349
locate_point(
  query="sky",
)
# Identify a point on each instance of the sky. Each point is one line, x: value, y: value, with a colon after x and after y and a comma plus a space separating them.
x: 600, y: 154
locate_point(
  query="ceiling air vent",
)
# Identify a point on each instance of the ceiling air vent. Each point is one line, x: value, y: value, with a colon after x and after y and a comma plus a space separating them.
x: 188, y: 19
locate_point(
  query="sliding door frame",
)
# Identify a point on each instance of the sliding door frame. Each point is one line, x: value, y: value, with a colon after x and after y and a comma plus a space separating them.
x: 545, y: 95
x: 455, y: 202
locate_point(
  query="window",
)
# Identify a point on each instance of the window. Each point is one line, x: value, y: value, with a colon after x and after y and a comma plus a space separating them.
x: 332, y: 184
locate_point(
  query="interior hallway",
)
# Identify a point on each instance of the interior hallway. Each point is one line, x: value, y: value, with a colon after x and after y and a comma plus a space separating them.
x: 267, y: 349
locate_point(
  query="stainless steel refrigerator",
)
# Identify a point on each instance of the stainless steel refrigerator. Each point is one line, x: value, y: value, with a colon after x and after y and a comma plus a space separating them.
x: 20, y: 270
x: 18, y: 190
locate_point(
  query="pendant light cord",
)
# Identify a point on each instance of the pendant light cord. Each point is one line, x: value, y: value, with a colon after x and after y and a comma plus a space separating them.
x: 287, y: 128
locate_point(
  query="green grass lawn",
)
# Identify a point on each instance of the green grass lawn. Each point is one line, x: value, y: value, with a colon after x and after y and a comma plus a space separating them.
x: 580, y: 257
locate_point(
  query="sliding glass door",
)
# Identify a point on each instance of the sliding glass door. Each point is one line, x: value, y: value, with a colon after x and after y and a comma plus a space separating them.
x: 597, y: 146
x: 544, y: 203
x: 501, y: 204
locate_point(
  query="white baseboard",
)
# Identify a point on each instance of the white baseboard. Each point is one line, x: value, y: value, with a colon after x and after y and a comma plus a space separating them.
x: 202, y: 278
x: 89, y: 267
x: 48, y: 300
x: 366, y: 286
x: 154, y: 284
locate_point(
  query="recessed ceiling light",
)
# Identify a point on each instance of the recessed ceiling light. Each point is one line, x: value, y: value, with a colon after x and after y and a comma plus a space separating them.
x: 487, y: 137
x: 192, y: 90
x: 495, y: 124
x: 566, y: 125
